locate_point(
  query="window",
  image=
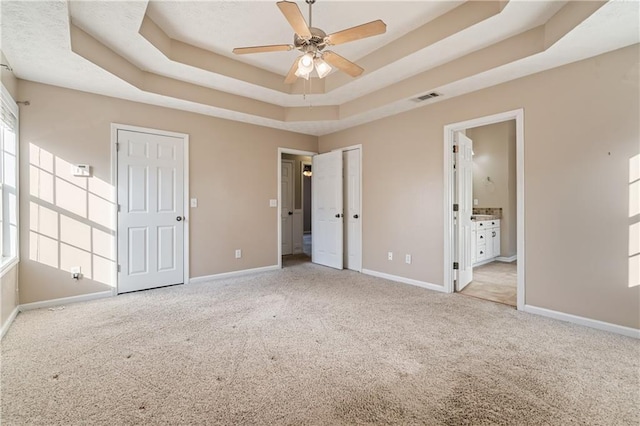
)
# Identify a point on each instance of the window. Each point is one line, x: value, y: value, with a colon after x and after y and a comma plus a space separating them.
x: 8, y: 180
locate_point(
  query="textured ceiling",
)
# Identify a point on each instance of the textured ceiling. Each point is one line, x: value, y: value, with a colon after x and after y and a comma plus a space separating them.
x: 178, y: 54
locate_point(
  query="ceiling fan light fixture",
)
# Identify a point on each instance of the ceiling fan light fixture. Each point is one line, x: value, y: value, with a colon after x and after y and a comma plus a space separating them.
x: 322, y: 67
x: 305, y: 64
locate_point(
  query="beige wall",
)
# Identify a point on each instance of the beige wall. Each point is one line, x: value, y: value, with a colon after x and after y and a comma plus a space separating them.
x: 233, y: 205
x: 494, y: 177
x: 581, y: 129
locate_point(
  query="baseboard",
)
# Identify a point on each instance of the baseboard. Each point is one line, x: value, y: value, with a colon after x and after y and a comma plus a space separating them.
x: 587, y: 322
x: 404, y: 280
x: 65, y: 300
x: 507, y: 259
x: 9, y: 321
x: 203, y: 279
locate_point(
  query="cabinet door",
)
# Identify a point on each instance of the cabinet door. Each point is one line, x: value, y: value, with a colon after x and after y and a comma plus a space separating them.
x: 496, y: 241
x: 489, y: 242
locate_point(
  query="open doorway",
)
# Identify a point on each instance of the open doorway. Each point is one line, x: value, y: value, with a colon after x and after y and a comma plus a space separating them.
x: 291, y: 207
x: 485, y: 208
x: 295, y: 208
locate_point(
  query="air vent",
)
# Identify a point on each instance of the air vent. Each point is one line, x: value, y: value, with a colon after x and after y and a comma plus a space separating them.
x: 427, y: 96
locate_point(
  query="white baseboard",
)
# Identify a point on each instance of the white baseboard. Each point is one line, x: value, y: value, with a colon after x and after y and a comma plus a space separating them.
x: 65, y: 300
x: 507, y: 259
x: 587, y: 322
x: 9, y: 321
x: 203, y: 279
x: 404, y: 280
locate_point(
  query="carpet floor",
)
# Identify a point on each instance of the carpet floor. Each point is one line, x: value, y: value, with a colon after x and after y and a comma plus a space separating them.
x: 311, y: 345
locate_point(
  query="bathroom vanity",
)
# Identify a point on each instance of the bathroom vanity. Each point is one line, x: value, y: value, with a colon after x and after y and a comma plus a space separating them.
x: 485, y: 239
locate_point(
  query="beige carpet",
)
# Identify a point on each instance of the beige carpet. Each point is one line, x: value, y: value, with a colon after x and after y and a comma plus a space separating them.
x: 495, y: 281
x: 310, y: 345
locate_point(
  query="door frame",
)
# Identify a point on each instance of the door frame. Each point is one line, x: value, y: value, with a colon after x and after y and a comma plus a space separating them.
x: 359, y: 148
x: 449, y: 245
x: 279, y: 199
x: 114, y: 178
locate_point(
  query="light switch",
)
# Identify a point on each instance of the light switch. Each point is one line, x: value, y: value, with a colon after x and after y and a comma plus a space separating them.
x: 475, y: 201
x: 194, y: 202
x: 273, y: 203
x: 81, y: 170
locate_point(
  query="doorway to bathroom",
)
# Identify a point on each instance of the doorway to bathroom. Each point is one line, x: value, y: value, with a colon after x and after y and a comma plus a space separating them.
x: 484, y: 208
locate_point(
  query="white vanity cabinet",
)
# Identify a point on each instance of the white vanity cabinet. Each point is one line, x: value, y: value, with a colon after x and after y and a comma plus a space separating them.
x: 486, y: 235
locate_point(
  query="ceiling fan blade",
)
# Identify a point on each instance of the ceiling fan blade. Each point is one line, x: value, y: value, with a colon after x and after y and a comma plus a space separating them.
x: 342, y: 64
x: 291, y: 11
x: 356, y: 33
x: 291, y: 77
x: 261, y: 49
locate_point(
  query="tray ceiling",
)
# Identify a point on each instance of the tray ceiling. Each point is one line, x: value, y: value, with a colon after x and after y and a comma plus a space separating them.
x: 178, y: 54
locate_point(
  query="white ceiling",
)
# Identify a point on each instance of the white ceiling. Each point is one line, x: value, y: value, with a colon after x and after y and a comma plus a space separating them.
x: 36, y: 41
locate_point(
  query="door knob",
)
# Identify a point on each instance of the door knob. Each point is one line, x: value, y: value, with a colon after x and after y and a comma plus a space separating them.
x: 355, y: 216
x: 338, y: 215
x: 179, y: 218
x: 290, y: 213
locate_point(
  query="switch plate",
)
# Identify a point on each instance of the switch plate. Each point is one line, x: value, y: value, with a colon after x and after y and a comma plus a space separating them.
x: 390, y: 255
x: 407, y: 259
x: 273, y: 203
x: 194, y: 202
x: 81, y: 170
x: 238, y: 253
x: 475, y: 201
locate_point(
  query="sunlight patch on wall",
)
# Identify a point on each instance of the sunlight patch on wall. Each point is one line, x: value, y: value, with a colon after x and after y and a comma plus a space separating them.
x: 634, y: 228
x: 70, y: 219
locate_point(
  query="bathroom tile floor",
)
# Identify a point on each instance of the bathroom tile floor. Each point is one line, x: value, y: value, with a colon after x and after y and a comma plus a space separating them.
x: 495, y: 281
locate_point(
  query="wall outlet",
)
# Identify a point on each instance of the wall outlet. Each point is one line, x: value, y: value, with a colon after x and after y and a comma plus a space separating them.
x: 76, y: 272
x: 238, y: 254
x: 273, y: 203
x: 475, y: 202
x: 407, y: 259
x: 194, y: 202
x: 390, y: 255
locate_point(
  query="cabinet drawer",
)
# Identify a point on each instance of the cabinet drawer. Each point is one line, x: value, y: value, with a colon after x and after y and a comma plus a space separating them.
x: 481, y: 253
x: 483, y: 224
x: 481, y: 237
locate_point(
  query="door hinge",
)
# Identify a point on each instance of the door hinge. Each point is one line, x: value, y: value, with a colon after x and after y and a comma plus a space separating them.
x: 118, y: 268
x: 117, y: 146
x: 455, y: 149
x: 456, y: 207
x: 455, y: 266
x: 118, y: 208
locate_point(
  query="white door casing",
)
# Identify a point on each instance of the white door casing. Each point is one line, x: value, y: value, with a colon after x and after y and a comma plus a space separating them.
x: 464, y: 199
x: 150, y: 176
x: 286, y: 206
x: 352, y: 208
x: 327, y: 247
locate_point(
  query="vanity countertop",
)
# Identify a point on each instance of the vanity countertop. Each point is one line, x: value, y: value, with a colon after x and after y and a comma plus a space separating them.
x: 480, y: 217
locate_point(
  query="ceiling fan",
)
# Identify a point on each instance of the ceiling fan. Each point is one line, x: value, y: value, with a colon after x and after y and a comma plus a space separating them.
x: 311, y: 42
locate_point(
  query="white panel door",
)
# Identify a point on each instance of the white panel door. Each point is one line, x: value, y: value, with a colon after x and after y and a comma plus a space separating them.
x: 464, y: 199
x: 286, y: 206
x: 352, y: 223
x: 151, y: 216
x: 327, y: 246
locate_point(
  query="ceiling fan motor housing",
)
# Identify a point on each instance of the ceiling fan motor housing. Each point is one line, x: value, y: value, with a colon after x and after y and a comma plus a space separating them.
x: 315, y: 43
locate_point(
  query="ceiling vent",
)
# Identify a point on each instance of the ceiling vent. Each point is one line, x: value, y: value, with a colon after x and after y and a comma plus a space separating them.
x: 427, y: 96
